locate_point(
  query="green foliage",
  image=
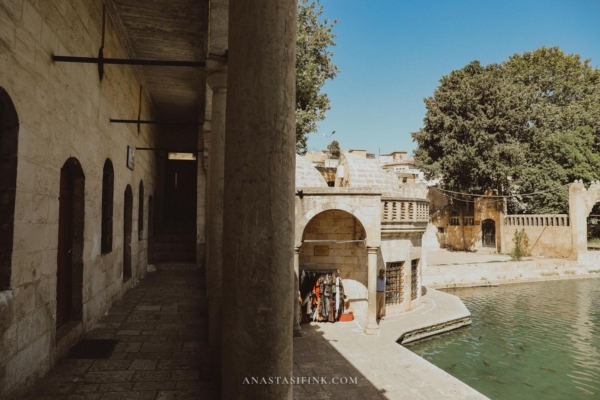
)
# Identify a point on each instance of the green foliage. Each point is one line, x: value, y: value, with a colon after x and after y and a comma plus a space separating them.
x: 334, y: 149
x: 313, y: 68
x: 521, y: 249
x: 529, y: 124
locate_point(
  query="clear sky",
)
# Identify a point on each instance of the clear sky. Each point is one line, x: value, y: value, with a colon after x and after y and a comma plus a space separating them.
x: 392, y: 53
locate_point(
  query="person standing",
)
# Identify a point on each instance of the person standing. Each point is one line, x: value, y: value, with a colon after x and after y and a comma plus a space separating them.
x: 381, y: 281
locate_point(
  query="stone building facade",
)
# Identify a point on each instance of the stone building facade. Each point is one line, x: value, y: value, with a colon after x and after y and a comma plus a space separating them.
x: 369, y: 221
x: 480, y: 224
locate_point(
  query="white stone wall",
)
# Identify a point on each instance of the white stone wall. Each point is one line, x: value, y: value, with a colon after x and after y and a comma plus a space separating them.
x: 64, y: 112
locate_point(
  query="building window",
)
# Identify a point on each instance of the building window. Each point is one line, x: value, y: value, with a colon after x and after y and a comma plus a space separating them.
x: 414, y: 278
x: 441, y: 229
x: 331, y: 183
x: 108, y: 187
x: 394, y: 282
x: 404, y: 180
x: 141, y: 212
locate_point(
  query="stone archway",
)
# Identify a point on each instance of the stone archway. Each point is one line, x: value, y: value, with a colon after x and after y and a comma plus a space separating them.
x: 9, y: 132
x: 335, y: 240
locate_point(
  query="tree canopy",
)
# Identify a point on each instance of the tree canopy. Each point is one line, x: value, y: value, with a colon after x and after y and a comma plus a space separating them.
x: 313, y: 68
x: 334, y: 149
x: 527, y: 125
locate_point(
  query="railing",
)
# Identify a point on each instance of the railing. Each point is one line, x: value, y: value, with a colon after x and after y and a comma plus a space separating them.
x: 404, y: 210
x: 467, y: 221
x: 537, y: 220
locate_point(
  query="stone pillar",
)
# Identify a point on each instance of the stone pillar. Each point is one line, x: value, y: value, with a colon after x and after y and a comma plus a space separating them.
x: 578, y: 217
x: 372, y: 327
x: 296, y: 291
x: 258, y: 284
x: 201, y: 207
x: 217, y: 80
x: 206, y: 130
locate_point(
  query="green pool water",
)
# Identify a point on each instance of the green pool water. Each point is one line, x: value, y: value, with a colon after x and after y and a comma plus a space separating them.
x: 527, y: 341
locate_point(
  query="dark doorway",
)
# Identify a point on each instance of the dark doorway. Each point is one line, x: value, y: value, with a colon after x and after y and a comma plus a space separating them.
x: 150, y: 228
x: 180, y: 193
x: 9, y: 130
x: 127, y: 228
x: 69, y: 275
x: 488, y: 233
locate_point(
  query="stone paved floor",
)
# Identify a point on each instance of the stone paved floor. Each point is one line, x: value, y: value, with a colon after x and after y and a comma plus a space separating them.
x: 382, y: 368
x: 162, y: 352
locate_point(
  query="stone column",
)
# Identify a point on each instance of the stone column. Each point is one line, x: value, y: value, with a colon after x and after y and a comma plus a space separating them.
x: 578, y: 217
x: 372, y: 327
x: 201, y: 206
x: 296, y: 291
x: 217, y: 80
x: 258, y: 284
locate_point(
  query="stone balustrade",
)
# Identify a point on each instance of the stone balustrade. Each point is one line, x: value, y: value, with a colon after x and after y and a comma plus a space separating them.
x: 537, y: 220
x: 404, y: 210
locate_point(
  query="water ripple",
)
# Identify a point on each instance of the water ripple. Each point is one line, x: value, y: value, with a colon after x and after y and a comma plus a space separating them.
x: 527, y: 341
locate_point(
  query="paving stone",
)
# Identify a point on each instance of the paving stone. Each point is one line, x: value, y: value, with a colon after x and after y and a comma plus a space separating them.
x: 143, y: 365
x: 138, y: 395
x: 142, y: 376
x: 116, y: 387
x: 110, y: 365
x: 155, y: 385
x: 109, y: 377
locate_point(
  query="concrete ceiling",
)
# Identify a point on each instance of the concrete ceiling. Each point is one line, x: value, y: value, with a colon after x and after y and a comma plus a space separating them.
x: 168, y: 30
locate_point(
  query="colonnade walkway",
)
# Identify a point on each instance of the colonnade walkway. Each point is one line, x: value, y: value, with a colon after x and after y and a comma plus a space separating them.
x: 159, y: 334
x: 161, y: 350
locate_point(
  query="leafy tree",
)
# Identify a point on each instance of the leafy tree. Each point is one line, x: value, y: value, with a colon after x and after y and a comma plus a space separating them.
x: 334, y: 149
x: 530, y: 124
x: 313, y: 68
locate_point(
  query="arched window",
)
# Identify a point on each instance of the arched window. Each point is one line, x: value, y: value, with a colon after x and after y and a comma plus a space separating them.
x: 108, y: 187
x: 9, y: 130
x: 141, y: 212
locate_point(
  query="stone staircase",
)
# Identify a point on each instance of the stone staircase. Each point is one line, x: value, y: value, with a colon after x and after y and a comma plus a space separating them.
x: 174, y: 245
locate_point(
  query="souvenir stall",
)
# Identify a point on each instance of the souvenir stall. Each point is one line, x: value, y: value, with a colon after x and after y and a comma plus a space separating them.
x: 322, y: 296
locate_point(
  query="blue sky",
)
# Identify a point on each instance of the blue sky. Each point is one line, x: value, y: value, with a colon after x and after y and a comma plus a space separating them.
x: 392, y: 53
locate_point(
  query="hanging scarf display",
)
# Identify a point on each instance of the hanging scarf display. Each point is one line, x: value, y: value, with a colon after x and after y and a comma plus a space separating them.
x: 323, y: 296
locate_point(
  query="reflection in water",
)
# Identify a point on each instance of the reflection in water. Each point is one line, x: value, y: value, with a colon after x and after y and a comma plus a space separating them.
x: 527, y: 341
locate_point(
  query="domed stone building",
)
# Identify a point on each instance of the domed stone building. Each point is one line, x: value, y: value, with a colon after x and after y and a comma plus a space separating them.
x: 367, y: 222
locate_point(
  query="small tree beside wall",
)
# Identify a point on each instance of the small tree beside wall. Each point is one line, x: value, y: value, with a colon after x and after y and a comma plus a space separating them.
x: 521, y: 249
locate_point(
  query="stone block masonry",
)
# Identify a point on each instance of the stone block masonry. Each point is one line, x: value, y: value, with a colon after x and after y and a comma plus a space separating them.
x: 63, y: 112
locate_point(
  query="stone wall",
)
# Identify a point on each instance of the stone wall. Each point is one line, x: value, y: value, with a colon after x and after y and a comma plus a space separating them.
x: 404, y: 248
x: 493, y: 273
x: 549, y: 235
x: 64, y: 112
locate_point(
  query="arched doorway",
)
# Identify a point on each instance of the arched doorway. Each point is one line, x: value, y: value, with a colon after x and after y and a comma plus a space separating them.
x: 150, y: 228
x: 69, y: 275
x: 488, y: 233
x: 127, y: 229
x: 9, y: 131
x: 334, y: 240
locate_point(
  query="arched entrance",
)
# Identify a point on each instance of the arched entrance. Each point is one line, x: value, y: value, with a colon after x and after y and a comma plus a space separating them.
x: 150, y: 228
x: 488, y: 233
x: 334, y: 240
x: 127, y: 229
x: 9, y: 130
x: 69, y: 275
